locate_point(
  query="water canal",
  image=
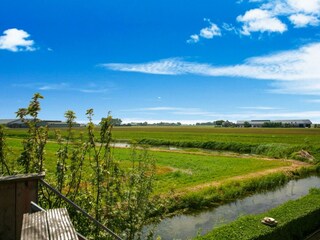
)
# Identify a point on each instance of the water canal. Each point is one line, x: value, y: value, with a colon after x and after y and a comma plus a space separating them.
x: 187, y: 226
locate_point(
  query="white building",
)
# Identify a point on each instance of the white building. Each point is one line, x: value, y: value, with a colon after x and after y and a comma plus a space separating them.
x: 303, y: 123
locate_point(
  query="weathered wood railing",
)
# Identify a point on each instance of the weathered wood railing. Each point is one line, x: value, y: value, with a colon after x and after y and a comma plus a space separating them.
x: 16, y: 193
x: 19, y: 195
x: 84, y: 213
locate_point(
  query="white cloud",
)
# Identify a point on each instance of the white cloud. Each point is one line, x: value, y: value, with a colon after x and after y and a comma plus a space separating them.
x: 306, y: 6
x: 208, y: 32
x: 302, y: 20
x: 258, y: 20
x: 268, y: 17
x: 301, y: 13
x: 294, y: 71
x: 193, y: 39
x: 211, y: 31
x: 16, y: 40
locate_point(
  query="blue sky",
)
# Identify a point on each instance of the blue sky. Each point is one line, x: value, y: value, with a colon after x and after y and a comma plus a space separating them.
x: 146, y: 60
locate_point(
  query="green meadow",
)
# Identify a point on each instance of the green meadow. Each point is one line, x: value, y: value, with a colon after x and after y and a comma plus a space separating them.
x: 175, y: 170
x: 295, y: 136
x: 239, y: 135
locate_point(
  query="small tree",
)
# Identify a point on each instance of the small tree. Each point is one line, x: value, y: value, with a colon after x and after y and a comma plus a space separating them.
x: 32, y: 157
x: 246, y: 124
x: 3, y: 153
x: 118, y: 197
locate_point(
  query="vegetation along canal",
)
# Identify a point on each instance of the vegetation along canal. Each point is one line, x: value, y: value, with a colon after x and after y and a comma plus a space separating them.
x: 187, y: 226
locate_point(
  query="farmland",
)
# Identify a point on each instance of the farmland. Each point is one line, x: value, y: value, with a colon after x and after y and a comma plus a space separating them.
x: 293, y: 136
x: 178, y: 170
x: 297, y: 136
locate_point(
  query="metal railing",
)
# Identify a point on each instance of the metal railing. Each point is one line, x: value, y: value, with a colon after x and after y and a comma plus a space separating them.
x: 97, y: 223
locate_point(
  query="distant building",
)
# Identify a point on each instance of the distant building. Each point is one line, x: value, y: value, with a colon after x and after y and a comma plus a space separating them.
x: 6, y: 121
x: 302, y: 123
x: 17, y: 123
x: 56, y: 124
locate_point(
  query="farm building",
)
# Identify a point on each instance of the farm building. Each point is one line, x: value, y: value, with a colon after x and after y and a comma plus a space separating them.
x: 17, y: 123
x: 303, y: 123
x: 6, y: 121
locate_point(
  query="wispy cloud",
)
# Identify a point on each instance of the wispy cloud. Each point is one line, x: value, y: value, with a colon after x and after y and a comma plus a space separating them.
x: 59, y: 86
x: 260, y: 108
x: 160, y: 109
x: 171, y: 66
x: 170, y: 110
x: 16, y: 40
x: 208, y: 32
x: 295, y: 71
x: 86, y: 88
x: 43, y: 86
x: 274, y: 115
x: 312, y: 100
x: 204, y: 116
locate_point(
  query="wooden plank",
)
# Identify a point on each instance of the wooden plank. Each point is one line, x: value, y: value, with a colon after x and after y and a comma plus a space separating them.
x: 314, y: 236
x: 7, y: 211
x: 22, y: 177
x: 35, y: 226
x: 26, y: 192
x: 60, y: 225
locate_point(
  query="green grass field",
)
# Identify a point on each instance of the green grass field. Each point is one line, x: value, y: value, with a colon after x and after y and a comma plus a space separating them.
x: 175, y: 171
x: 239, y: 135
x: 199, y: 133
x: 179, y: 170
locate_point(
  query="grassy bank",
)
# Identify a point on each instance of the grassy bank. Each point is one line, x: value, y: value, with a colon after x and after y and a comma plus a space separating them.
x: 232, y: 190
x: 296, y: 219
x: 274, y: 150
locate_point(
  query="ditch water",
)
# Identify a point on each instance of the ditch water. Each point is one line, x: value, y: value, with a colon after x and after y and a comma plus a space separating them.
x: 187, y: 226
x: 128, y: 145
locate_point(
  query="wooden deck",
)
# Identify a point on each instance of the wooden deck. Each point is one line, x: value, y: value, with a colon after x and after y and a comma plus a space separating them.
x: 16, y: 193
x: 314, y: 236
x: 53, y: 224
